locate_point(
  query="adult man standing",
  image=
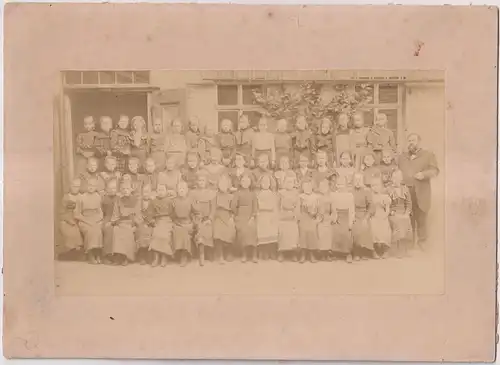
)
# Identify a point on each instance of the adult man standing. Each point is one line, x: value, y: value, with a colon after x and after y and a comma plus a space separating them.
x: 418, y: 167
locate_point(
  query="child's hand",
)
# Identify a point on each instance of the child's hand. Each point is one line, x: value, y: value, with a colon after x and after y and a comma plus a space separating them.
x: 419, y: 176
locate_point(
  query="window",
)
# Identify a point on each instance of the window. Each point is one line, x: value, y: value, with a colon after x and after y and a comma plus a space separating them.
x: 234, y: 100
x: 105, y: 78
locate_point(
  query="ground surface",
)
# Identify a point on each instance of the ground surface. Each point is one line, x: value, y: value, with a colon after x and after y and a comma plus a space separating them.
x: 422, y: 273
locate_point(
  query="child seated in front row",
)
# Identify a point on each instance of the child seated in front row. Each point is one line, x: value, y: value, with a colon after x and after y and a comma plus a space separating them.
x: 72, y: 238
x: 224, y: 231
x: 108, y: 206
x: 182, y: 212
x: 144, y: 230
x: 380, y: 138
x: 379, y: 221
x: 159, y: 217
x: 289, y: 210
x: 267, y: 219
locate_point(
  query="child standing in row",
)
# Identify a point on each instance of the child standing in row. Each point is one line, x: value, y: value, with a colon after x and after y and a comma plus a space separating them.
x: 182, y: 211
x: 267, y: 218
x: 224, y: 230
x: 361, y: 230
x: 85, y: 144
x: 308, y: 236
x: 120, y: 142
x: 342, y: 244
x: 157, y: 145
x: 379, y: 221
x: 108, y: 207
x: 159, y: 217
x: 401, y: 207
x: 72, y: 239
x: 379, y: 137
x: 289, y: 211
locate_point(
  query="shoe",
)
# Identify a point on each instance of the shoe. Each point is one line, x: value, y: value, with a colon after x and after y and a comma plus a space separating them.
x: 280, y: 257
x: 348, y: 259
x: 125, y: 262
x: 356, y: 258
x: 156, y: 261
x: 375, y: 255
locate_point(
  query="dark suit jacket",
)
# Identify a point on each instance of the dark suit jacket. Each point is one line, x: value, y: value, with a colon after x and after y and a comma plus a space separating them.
x: 424, y: 162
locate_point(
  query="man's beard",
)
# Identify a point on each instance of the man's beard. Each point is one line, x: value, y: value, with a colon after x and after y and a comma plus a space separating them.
x: 412, y: 148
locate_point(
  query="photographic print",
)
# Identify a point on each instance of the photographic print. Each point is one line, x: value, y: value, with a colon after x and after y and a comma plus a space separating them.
x: 272, y: 182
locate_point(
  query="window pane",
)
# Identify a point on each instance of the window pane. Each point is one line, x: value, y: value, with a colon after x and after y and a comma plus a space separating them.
x: 368, y: 117
x: 124, y: 77
x: 392, y: 119
x: 106, y: 77
x: 388, y: 93
x: 141, y: 77
x: 73, y: 77
x: 248, y: 93
x: 232, y: 115
x: 227, y: 94
x: 365, y: 90
x: 90, y: 77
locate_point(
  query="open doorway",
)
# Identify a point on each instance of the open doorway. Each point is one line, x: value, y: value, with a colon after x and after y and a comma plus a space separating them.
x: 112, y: 103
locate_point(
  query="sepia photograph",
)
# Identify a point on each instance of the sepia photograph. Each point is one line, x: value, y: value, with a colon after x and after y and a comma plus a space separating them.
x: 249, y: 181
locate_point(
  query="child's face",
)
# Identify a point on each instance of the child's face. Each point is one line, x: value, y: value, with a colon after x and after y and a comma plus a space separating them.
x: 307, y: 187
x: 161, y: 190
x: 376, y: 185
x: 301, y: 123
x: 263, y: 162
x: 358, y: 180
x: 243, y: 123
x: 110, y: 164
x: 343, y: 120
x: 303, y: 162
x: 123, y: 122
x: 157, y: 126
x: 226, y: 161
x: 133, y: 165
x: 150, y: 166
x: 126, y: 190
x: 324, y: 187
x: 106, y: 124
x: 75, y: 187
x: 209, y: 131
x: 321, y: 159
x: 284, y: 163
x: 245, y: 182
x: 262, y: 125
x: 146, y: 192
x: 265, y: 183
x: 239, y: 161
x: 282, y: 125
x: 215, y: 156
x: 182, y: 190
x: 91, y: 187
x: 345, y: 160
x: 325, y: 127
x: 194, y: 125
x: 381, y: 120
x: 226, y: 126
x: 176, y: 127
x: 387, y: 158
x: 88, y: 123
x: 289, y: 183
x: 223, y: 185
x: 137, y: 124
x: 192, y: 161
x: 358, y: 120
x: 170, y: 164
x: 202, y: 182
x: 111, y: 189
x: 369, y: 161
x: 92, y: 166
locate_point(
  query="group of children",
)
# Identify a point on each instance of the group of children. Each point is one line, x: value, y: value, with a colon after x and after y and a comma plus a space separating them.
x: 316, y: 193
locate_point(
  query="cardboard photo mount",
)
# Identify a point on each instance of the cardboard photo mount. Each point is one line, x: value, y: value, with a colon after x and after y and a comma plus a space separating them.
x: 43, y: 39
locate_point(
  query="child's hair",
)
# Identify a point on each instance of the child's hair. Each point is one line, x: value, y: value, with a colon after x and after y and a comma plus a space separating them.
x: 324, y: 121
x: 192, y: 154
x: 76, y: 180
x: 306, y: 181
x: 182, y: 183
x: 194, y: 119
x: 389, y: 152
x: 243, y: 156
x: 111, y: 182
x: 247, y: 176
x: 177, y: 121
x: 109, y: 158
x: 146, y: 187
x: 92, y: 159
x: 105, y: 117
x: 92, y: 181
x: 360, y: 175
x: 133, y: 159
x: 228, y: 123
x: 88, y: 117
x: 348, y: 154
x: 369, y: 154
x: 149, y: 159
x: 139, y: 119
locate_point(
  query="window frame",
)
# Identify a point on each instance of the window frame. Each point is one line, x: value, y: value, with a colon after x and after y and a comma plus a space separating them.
x: 115, y: 84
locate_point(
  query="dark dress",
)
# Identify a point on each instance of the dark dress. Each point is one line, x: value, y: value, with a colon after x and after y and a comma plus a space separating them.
x: 203, y: 215
x: 86, y: 146
x: 302, y: 142
x: 283, y: 146
x: 245, y: 210
x: 157, y: 147
x: 72, y: 238
x: 244, y: 142
x: 223, y: 226
x: 308, y: 234
x: 182, y: 209
x: 400, y: 214
x: 159, y: 212
x: 125, y: 218
x: 361, y: 228
x: 120, y: 145
x: 227, y: 144
x: 108, y: 206
x: 144, y: 230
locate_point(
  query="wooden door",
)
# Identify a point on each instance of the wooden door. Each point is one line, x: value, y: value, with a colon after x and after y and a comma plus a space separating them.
x: 167, y: 105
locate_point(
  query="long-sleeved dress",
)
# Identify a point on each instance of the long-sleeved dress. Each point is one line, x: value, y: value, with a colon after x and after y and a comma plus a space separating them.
x: 379, y: 222
x: 357, y: 140
x: 345, y: 176
x: 308, y: 233
x: 227, y: 144
x: 281, y: 175
x: 214, y: 172
x: 267, y: 217
x: 343, y: 203
x: 72, y: 238
x: 144, y: 231
x: 400, y: 214
x: 157, y: 148
x: 303, y: 144
x: 370, y: 173
x: 190, y: 176
x: 322, y: 173
x: 170, y: 179
x: 263, y: 143
x: 108, y: 206
x: 361, y: 230
x: 139, y: 146
x: 206, y: 143
x: 379, y: 139
x: 223, y: 226
x: 325, y: 143
x: 327, y: 215
x: 89, y: 215
x: 86, y: 146
x: 125, y: 218
x: 245, y: 210
x: 244, y: 140
x: 182, y: 210
x: 120, y: 145
x: 150, y: 179
x: 289, y: 211
x: 283, y: 146
x: 103, y: 144
x: 159, y: 214
x: 342, y: 142
x: 203, y: 215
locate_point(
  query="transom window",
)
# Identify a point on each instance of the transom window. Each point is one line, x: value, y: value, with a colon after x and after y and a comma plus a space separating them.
x: 105, y: 78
